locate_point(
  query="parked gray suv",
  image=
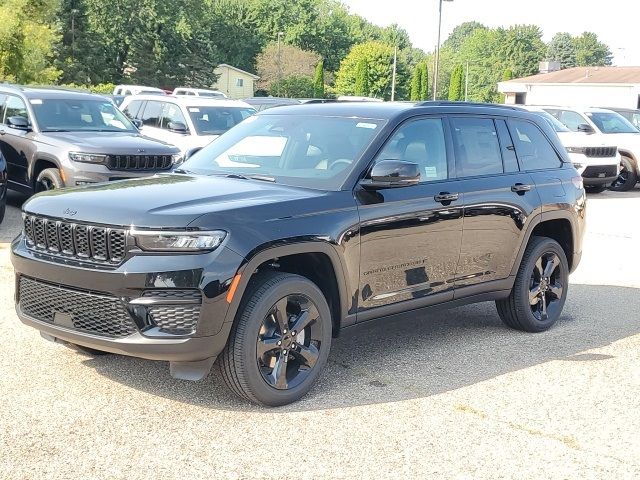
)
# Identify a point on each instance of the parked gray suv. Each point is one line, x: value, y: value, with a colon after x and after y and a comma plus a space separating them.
x: 54, y: 138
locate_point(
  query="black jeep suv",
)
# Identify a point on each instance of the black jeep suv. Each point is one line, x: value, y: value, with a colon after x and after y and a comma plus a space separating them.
x: 302, y: 221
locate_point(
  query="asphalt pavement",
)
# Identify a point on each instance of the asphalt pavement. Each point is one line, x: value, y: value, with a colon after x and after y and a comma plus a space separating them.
x: 451, y: 395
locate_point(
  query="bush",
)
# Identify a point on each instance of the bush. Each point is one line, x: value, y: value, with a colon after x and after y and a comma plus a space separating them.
x: 293, y: 86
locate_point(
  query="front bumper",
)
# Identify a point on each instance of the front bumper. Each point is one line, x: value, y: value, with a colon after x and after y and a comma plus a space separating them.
x: 76, y: 173
x: 129, y: 289
x: 596, y: 171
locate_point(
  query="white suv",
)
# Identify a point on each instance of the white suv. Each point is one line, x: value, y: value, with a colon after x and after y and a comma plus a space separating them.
x: 613, y: 128
x: 188, y: 122
x: 199, y: 92
x: 594, y: 156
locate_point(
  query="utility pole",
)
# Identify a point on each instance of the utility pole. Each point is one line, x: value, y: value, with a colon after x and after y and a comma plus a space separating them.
x: 435, y: 78
x: 280, y: 34
x: 73, y: 35
x: 393, y: 77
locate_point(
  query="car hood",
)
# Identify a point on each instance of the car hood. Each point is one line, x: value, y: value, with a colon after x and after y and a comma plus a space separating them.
x: 578, y: 139
x: 165, y: 201
x: 107, y: 142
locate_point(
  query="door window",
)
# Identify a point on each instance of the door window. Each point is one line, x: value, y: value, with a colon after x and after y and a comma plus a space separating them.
x: 570, y: 118
x: 421, y: 142
x: 133, y: 109
x: 532, y: 147
x: 15, y: 107
x: 171, y: 113
x: 476, y: 146
x: 3, y: 99
x: 152, y: 114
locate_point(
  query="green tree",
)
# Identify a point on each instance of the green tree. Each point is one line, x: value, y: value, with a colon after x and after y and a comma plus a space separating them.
x: 590, y: 52
x: 378, y: 58
x: 424, y: 87
x: 461, y: 33
x: 293, y: 86
x: 361, y: 87
x: 523, y: 49
x: 507, y: 74
x: 275, y: 62
x: 456, y: 84
x: 318, y: 80
x: 562, y: 49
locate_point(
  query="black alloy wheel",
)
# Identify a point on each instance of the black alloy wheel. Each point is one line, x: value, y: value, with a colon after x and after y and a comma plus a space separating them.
x: 48, y: 179
x: 289, y: 342
x: 546, y: 288
x: 627, y: 178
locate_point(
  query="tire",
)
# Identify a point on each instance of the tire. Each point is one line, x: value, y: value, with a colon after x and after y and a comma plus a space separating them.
x: 259, y: 326
x: 518, y: 310
x: 595, y: 188
x: 48, y: 179
x: 3, y: 201
x: 628, y: 176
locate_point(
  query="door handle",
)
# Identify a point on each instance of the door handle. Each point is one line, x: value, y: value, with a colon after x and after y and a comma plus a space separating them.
x: 520, y: 188
x: 446, y: 198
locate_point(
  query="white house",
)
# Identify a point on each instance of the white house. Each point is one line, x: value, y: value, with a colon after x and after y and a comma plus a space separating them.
x: 235, y: 83
x: 580, y: 86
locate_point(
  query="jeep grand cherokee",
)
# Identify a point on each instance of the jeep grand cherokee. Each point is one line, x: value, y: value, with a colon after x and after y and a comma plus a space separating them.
x: 302, y: 221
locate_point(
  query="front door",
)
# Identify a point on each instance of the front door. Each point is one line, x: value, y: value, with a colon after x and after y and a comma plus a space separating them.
x: 410, y: 236
x: 13, y: 142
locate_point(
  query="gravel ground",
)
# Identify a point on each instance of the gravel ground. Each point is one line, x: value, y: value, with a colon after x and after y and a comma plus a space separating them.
x: 455, y: 396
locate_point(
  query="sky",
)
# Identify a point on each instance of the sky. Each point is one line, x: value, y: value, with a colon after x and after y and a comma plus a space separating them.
x: 614, y: 21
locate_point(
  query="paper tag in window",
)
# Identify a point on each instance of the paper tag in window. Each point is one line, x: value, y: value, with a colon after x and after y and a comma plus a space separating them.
x: 431, y: 172
x: 36, y: 101
x: 194, y: 109
x: 366, y: 125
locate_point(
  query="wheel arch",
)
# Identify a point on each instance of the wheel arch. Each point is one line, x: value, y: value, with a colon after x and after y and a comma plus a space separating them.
x: 322, y: 265
x: 42, y: 163
x: 557, y: 225
x: 627, y: 153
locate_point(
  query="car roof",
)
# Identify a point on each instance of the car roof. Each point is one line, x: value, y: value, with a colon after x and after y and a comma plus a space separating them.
x: 46, y: 93
x: 189, y: 89
x: 578, y: 109
x: 388, y: 110
x: 191, y: 101
x: 272, y: 100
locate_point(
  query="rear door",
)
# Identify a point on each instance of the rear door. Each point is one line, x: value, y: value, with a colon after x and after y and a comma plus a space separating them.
x: 151, y: 117
x: 410, y: 236
x: 498, y: 201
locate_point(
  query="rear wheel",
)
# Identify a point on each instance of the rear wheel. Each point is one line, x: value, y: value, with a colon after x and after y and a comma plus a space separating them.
x: 595, y: 188
x: 627, y: 178
x: 540, y: 289
x: 280, y: 341
x: 49, y: 179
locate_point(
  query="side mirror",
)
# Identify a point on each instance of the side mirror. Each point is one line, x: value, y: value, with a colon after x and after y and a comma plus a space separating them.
x: 137, y: 123
x: 177, y: 127
x: 392, y: 174
x: 19, y: 123
x: 585, y: 128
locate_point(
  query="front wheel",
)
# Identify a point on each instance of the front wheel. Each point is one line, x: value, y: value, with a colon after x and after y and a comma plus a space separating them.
x: 595, y: 188
x: 48, y: 179
x: 627, y: 178
x: 540, y: 290
x: 280, y: 341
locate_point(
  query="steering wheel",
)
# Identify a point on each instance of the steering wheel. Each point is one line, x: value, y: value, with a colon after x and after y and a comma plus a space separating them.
x: 341, y: 161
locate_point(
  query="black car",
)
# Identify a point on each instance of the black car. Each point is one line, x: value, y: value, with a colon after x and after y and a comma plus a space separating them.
x: 3, y: 186
x: 298, y: 223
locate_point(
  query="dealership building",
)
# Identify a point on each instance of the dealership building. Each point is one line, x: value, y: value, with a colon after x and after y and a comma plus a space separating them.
x: 580, y: 86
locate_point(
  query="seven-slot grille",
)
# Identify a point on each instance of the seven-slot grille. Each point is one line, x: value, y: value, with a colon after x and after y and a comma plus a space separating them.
x: 99, y: 314
x: 598, y: 152
x: 139, y: 162
x: 86, y: 242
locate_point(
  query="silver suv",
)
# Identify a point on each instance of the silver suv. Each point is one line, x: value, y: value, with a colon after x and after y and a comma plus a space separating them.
x: 55, y: 138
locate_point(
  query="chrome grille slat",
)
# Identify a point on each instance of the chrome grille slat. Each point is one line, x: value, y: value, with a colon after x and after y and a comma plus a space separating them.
x: 59, y: 238
x: 600, y: 152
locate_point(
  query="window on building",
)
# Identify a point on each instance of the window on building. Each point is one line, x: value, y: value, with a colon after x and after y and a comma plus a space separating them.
x: 240, y: 82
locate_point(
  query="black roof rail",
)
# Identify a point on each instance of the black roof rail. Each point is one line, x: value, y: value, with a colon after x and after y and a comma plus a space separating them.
x: 449, y: 103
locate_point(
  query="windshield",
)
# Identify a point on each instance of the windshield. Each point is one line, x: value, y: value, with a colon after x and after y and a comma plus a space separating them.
x: 556, y: 124
x: 611, y: 122
x: 72, y: 115
x: 211, y: 94
x: 306, y: 151
x: 211, y: 120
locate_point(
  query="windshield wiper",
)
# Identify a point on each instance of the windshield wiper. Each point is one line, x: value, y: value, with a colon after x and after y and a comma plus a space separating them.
x: 55, y: 130
x: 263, y: 178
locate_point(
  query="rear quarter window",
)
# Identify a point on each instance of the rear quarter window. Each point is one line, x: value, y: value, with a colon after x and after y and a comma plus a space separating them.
x: 533, y: 148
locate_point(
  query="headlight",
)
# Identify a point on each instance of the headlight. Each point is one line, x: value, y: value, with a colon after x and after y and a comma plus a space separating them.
x: 177, y: 159
x: 87, y: 157
x: 576, y: 150
x: 159, y: 241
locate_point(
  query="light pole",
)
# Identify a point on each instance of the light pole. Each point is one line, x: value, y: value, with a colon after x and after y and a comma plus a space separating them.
x: 73, y: 35
x: 393, y: 77
x: 280, y: 34
x: 435, y: 77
